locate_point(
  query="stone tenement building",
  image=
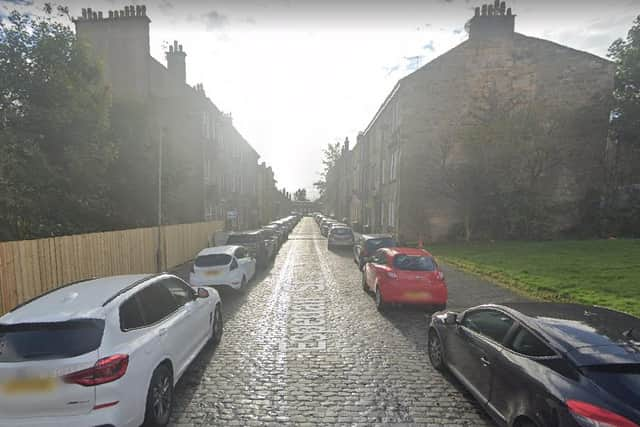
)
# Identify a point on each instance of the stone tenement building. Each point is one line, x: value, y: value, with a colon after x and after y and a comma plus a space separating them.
x: 221, y: 166
x: 385, y: 170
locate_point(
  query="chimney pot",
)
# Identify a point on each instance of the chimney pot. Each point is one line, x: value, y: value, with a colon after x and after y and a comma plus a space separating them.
x: 100, y: 15
x: 484, y: 10
x: 95, y: 16
x: 503, y: 8
x: 110, y: 14
x: 509, y: 12
x: 89, y: 13
x: 144, y: 9
x: 132, y: 10
x: 137, y: 10
x: 126, y: 11
x: 477, y: 12
x: 180, y: 46
x: 84, y: 13
x: 496, y: 5
x: 175, y: 45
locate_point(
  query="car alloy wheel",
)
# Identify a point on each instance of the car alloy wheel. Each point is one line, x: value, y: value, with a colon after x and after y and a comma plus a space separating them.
x: 159, y: 398
x: 218, y: 326
x: 436, y: 355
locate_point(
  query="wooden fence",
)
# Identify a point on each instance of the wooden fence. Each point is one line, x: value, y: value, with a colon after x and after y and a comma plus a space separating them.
x: 30, y: 267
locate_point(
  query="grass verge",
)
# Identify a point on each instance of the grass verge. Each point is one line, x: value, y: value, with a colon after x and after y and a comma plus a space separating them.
x: 597, y: 272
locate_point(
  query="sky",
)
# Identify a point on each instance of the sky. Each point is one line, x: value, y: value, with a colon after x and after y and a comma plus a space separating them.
x: 299, y: 74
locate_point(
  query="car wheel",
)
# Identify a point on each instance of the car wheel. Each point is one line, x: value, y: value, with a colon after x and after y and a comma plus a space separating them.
x: 159, y: 398
x: 217, y: 327
x: 380, y: 304
x: 365, y: 287
x: 436, y: 351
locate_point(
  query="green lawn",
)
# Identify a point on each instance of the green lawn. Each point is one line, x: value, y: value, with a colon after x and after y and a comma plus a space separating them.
x: 602, y: 272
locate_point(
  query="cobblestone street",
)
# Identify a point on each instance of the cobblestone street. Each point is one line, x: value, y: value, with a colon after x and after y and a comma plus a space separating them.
x: 305, y: 345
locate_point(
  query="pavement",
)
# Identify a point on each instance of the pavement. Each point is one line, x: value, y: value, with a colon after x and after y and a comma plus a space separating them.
x: 305, y: 345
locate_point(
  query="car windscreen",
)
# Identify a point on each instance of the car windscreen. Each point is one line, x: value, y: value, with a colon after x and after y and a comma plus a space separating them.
x: 373, y: 245
x: 414, y: 263
x: 52, y: 340
x: 212, y: 260
x: 241, y: 239
x: 268, y: 233
x: 622, y: 381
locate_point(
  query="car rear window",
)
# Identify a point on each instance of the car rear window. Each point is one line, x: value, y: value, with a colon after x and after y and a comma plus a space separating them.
x: 373, y: 245
x: 53, y: 340
x: 622, y: 381
x: 341, y: 231
x: 240, y: 239
x: 212, y: 260
x: 414, y: 263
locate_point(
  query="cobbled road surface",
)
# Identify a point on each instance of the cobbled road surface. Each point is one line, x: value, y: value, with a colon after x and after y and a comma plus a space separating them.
x: 304, y: 345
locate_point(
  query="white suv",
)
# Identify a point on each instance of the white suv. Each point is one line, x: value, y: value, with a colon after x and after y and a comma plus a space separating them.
x: 103, y: 352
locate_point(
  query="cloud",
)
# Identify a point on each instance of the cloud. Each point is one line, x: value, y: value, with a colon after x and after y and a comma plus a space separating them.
x: 165, y: 5
x: 391, y: 69
x: 214, y: 20
x: 429, y: 46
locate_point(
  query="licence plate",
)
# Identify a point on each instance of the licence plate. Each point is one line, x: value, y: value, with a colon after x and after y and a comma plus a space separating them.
x: 212, y: 273
x: 29, y: 385
x: 417, y: 295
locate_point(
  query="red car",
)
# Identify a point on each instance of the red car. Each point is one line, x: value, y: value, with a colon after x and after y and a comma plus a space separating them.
x: 405, y: 276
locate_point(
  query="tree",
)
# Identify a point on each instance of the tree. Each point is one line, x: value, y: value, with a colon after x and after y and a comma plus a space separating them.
x: 300, y: 195
x: 54, y: 122
x: 497, y: 168
x: 626, y: 113
x: 331, y: 154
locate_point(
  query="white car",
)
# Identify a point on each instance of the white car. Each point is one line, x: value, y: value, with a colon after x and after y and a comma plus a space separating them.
x: 223, y: 265
x: 103, y: 351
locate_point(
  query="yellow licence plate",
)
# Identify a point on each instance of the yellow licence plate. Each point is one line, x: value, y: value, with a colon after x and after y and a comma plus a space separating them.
x: 417, y: 295
x: 29, y: 385
x: 212, y: 273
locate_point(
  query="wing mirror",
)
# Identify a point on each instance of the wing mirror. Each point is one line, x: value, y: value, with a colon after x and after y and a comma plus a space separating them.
x: 202, y: 293
x: 451, y: 318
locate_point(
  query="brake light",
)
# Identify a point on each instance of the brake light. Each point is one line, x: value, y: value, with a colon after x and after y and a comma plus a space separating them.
x: 104, y: 371
x: 592, y: 415
x: 392, y: 275
x: 440, y: 275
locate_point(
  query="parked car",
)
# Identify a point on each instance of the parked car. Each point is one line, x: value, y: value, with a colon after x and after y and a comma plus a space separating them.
x: 325, y: 225
x: 368, y: 244
x: 340, y: 235
x: 283, y: 229
x: 103, y: 351
x: 405, y: 276
x: 280, y: 232
x: 229, y: 265
x: 273, y: 240
x: 544, y: 364
x: 255, y: 242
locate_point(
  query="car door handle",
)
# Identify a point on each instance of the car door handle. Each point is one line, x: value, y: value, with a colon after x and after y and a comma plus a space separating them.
x: 485, y: 361
x: 162, y: 331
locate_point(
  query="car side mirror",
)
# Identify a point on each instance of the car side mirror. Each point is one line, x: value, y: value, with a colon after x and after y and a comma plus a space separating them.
x: 202, y: 293
x: 451, y: 318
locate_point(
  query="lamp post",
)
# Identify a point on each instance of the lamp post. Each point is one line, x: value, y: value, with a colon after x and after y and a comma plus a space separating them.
x: 159, y: 252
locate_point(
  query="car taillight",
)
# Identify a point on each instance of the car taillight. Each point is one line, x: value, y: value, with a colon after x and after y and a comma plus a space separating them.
x: 104, y: 371
x: 590, y: 415
x: 392, y: 275
x: 440, y: 275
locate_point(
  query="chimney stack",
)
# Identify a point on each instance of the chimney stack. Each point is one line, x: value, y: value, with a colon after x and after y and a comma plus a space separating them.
x: 492, y: 21
x: 176, y: 63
